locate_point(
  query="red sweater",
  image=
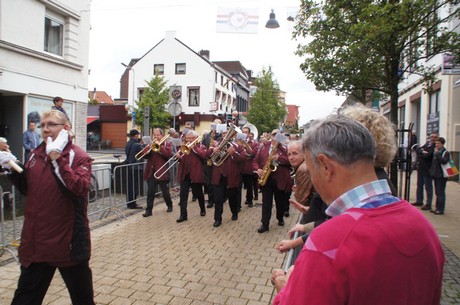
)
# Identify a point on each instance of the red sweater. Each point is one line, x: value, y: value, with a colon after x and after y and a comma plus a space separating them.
x: 379, y: 256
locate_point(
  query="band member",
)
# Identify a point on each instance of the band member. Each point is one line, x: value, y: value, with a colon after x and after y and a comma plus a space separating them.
x: 246, y: 167
x: 209, y: 140
x: 191, y: 174
x: 278, y: 183
x: 155, y: 160
x: 226, y: 179
x: 255, y: 177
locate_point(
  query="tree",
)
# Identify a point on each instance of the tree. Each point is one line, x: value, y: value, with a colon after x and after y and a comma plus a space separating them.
x: 363, y: 47
x: 266, y: 111
x: 155, y: 96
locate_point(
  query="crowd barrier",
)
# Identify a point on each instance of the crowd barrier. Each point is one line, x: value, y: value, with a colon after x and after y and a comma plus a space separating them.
x: 106, y: 196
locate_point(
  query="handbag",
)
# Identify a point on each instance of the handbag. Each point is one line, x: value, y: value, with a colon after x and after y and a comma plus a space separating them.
x: 449, y: 169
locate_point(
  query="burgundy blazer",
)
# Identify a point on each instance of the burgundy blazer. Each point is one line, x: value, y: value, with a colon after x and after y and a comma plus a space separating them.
x: 246, y: 166
x: 192, y: 164
x: 155, y: 160
x: 230, y: 169
x: 282, y: 175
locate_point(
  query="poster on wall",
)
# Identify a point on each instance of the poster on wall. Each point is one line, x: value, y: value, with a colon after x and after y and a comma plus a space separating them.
x: 37, y: 105
x: 432, y: 124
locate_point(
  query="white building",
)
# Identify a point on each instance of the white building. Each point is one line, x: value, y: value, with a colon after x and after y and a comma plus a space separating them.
x: 43, y: 53
x: 203, y: 89
x: 435, y: 111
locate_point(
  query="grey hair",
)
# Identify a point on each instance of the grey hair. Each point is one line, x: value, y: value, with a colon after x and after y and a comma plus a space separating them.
x: 341, y: 139
x: 193, y: 133
x: 296, y: 142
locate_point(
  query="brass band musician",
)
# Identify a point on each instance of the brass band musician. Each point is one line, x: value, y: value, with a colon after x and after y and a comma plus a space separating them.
x: 246, y: 167
x: 191, y: 174
x: 155, y: 160
x: 279, y: 182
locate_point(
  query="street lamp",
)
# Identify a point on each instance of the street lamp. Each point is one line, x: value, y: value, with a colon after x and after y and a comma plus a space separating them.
x: 272, y: 23
x: 133, y: 94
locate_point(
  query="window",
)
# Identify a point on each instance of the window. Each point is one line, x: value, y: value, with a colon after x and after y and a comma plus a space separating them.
x: 434, y: 102
x: 193, y: 96
x: 53, y: 36
x: 221, y: 80
x: 159, y: 69
x: 180, y: 69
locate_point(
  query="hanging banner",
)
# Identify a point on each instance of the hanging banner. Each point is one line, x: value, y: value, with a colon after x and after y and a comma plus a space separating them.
x: 237, y: 20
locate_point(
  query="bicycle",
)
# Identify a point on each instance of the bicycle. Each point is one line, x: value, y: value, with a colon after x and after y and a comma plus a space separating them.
x: 93, y: 189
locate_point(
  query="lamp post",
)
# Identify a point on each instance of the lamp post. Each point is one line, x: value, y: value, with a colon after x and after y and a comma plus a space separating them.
x: 133, y: 94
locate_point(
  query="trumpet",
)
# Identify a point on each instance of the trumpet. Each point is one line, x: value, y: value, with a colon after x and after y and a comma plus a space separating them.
x: 155, y: 146
x: 185, y: 149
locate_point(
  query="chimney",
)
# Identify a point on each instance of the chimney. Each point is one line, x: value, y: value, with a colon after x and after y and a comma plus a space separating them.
x: 205, y: 54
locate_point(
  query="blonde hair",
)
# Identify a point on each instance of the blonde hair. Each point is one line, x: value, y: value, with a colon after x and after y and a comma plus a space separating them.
x: 56, y: 114
x: 381, y: 129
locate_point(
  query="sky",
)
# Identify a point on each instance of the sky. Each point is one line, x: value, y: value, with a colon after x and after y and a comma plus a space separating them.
x: 121, y: 30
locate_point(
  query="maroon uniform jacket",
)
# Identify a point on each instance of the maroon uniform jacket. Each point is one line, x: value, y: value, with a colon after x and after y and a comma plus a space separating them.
x: 282, y: 175
x: 192, y: 164
x: 230, y: 169
x: 158, y: 159
x: 56, y: 228
x: 246, y: 166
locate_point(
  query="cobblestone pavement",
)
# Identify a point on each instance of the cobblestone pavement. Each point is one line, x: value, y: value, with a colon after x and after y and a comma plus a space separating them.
x: 155, y: 260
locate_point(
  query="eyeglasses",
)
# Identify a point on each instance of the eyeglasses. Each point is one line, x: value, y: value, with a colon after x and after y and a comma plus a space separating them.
x: 50, y: 125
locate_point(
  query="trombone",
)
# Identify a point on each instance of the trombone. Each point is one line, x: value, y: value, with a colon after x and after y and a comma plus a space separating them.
x: 155, y: 146
x: 185, y: 149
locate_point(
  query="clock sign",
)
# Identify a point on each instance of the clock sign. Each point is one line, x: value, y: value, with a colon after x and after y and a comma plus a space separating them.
x: 176, y: 94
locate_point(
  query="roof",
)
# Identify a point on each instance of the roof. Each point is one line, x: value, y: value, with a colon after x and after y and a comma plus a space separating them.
x: 101, y: 97
x: 232, y: 67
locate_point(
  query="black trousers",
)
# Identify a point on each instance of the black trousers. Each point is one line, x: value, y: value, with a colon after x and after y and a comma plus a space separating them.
x: 152, y: 186
x: 248, y: 181
x: 269, y: 191
x: 197, y: 191
x: 255, y: 184
x: 35, y: 280
x: 221, y: 192
x: 133, y: 177
x: 207, y: 181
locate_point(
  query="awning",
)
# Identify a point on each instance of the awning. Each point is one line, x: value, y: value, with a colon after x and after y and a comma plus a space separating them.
x: 89, y: 120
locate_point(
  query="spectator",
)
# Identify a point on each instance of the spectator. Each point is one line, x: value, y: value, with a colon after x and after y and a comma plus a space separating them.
x: 367, y: 253
x: 30, y: 140
x: 133, y: 171
x: 424, y: 179
x: 440, y: 156
x: 55, y: 232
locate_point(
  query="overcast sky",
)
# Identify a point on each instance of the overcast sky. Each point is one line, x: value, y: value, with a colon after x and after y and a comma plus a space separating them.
x: 121, y: 30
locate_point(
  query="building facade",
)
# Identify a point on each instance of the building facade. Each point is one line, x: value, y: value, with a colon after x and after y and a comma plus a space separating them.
x: 200, y: 90
x: 43, y: 56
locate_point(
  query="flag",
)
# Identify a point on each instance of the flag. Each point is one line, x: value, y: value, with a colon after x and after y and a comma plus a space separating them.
x: 237, y: 20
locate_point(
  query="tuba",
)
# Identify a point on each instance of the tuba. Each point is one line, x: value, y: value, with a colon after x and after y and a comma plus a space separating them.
x: 218, y: 158
x: 253, y: 130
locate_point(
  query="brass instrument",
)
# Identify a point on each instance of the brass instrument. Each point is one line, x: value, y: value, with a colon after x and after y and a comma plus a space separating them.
x: 211, y: 143
x: 155, y: 146
x: 218, y: 158
x: 185, y: 149
x: 269, y: 166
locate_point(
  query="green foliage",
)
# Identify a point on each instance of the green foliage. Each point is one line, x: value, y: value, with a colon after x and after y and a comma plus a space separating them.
x: 155, y: 96
x: 266, y: 111
x: 363, y: 45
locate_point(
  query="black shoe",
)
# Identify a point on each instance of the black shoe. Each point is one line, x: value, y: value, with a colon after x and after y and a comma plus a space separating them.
x: 169, y: 210
x: 432, y: 211
x: 134, y: 207
x: 426, y: 208
x: 210, y: 205
x: 263, y: 229
x: 417, y: 204
x: 438, y: 213
x: 286, y: 214
x: 256, y: 198
x: 203, y: 213
x: 217, y: 224
x: 246, y: 202
x: 147, y: 214
x: 181, y: 219
x: 193, y: 199
x: 281, y: 223
x: 250, y: 205
x: 235, y: 217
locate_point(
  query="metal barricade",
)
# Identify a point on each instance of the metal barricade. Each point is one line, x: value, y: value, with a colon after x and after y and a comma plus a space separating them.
x: 5, y: 244
x: 294, y: 252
